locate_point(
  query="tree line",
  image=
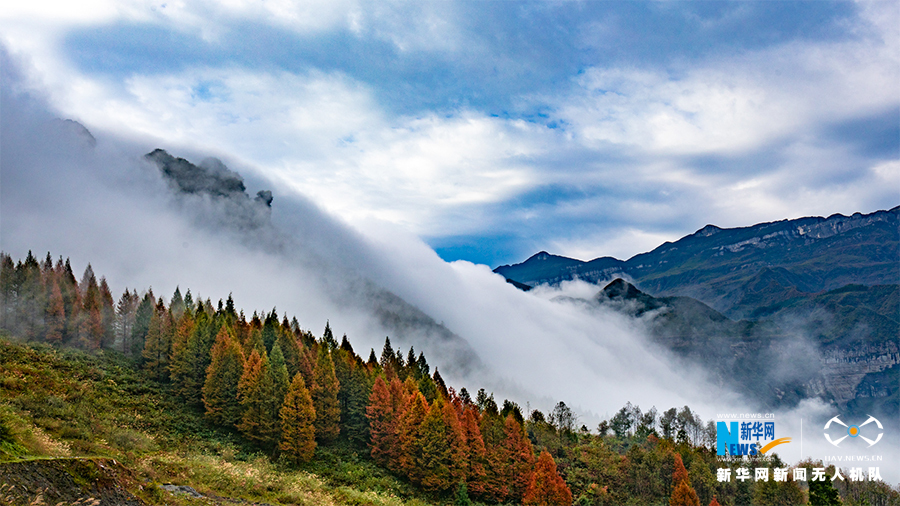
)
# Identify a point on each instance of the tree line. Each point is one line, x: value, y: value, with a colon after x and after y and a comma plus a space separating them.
x: 288, y: 391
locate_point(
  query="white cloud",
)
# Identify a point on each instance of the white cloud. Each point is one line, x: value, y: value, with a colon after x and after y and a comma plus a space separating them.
x: 419, y: 170
x: 631, y: 131
x: 324, y: 136
x: 733, y: 104
x: 621, y: 243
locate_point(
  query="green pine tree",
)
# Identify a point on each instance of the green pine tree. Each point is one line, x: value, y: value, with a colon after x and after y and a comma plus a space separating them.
x: 325, y: 390
x: 298, y: 418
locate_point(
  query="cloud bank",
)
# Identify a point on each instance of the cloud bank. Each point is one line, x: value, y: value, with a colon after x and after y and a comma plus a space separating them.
x: 97, y: 198
x: 496, y: 130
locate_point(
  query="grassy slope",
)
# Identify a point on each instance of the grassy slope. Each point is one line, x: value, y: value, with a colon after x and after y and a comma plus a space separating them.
x: 61, y: 403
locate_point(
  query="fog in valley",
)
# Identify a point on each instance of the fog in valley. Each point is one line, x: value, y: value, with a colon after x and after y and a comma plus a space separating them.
x: 92, y: 196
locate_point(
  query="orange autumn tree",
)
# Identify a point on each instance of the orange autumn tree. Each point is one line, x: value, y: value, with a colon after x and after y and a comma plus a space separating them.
x: 683, y: 494
x: 547, y: 487
x: 519, y: 458
x: 476, y: 456
x: 382, y: 423
x: 410, y: 447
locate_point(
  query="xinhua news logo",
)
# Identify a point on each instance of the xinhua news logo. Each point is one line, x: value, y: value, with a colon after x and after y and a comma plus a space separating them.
x: 852, y: 431
x: 736, y: 438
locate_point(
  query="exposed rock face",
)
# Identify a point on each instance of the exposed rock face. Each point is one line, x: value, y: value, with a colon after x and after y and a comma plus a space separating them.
x: 715, y: 265
x: 211, y: 176
x: 844, y: 373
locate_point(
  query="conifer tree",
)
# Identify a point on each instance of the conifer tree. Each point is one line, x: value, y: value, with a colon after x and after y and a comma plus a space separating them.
x: 254, y: 341
x: 255, y: 384
x: 328, y: 337
x: 412, y: 366
x: 462, y: 495
x: 270, y: 330
x: 714, y: 502
x: 280, y: 381
x: 229, y: 307
x: 189, y: 302
x: 143, y: 314
x: 388, y: 360
x: 679, y: 472
x: 56, y: 313
x: 476, y: 456
x: 125, y: 314
x: 345, y: 345
x: 290, y: 348
x: 182, y: 360
x: 90, y: 332
x: 177, y: 306
x: 408, y: 437
x: 107, y: 315
x: 307, y: 364
x: 455, y: 441
x: 382, y: 424
x: 157, y: 344
x: 198, y: 355
x: 431, y: 455
x: 547, y: 487
x: 220, y: 391
x: 298, y: 417
x: 519, y: 456
x: 355, y: 388
x: 7, y: 290
x: 491, y: 425
x: 72, y: 300
x: 324, y: 391
x: 439, y: 383
x: 683, y: 494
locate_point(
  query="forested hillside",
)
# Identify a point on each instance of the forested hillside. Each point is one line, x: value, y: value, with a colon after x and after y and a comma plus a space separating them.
x: 164, y: 376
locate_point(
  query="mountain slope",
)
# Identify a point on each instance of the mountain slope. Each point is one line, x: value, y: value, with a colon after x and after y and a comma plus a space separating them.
x: 721, y: 266
x: 840, y: 346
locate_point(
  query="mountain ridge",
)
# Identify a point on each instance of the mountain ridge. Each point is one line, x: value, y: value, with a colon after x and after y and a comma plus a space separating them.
x: 811, y: 254
x: 818, y: 299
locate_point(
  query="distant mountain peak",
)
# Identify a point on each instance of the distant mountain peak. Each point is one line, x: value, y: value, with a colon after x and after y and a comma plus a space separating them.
x: 541, y: 256
x: 210, y: 177
x: 708, y: 231
x: 621, y: 289
x: 733, y: 270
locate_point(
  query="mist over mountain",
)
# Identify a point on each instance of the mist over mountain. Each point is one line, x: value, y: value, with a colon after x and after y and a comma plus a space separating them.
x: 148, y: 217
x: 732, y: 270
x: 213, y: 181
x: 798, y: 309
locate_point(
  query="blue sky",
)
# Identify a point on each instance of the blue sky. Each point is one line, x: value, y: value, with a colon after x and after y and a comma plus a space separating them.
x: 492, y: 130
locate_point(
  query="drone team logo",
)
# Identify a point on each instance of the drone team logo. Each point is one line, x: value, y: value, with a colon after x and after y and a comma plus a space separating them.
x: 747, y: 436
x: 853, y: 431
